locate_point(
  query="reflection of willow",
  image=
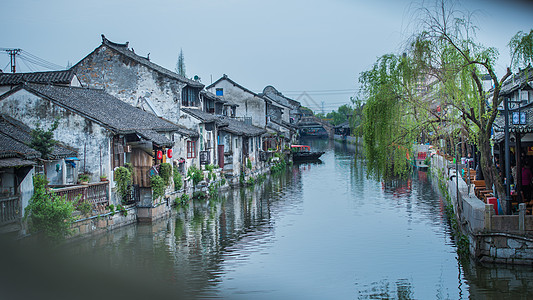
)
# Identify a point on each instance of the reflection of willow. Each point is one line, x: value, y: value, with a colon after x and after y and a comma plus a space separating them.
x: 505, y: 282
x: 401, y: 289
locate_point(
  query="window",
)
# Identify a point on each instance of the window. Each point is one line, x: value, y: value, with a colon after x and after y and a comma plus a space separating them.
x: 189, y: 97
x: 220, y: 92
x: 191, y: 149
x: 118, y: 151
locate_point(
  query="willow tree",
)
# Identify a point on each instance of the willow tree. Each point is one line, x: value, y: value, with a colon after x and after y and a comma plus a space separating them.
x: 389, y: 119
x: 445, y: 49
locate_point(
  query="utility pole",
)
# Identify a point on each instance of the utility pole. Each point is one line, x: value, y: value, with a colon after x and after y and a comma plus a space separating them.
x: 13, y: 54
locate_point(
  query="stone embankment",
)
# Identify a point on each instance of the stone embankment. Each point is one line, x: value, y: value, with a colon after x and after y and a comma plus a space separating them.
x: 492, y: 238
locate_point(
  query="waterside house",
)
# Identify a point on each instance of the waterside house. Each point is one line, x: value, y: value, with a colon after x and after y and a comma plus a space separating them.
x: 105, y: 132
x: 139, y: 82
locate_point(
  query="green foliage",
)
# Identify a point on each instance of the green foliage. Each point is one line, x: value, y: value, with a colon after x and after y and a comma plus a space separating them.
x: 180, y: 65
x: 249, y: 163
x: 112, y: 209
x: 343, y: 113
x: 158, y: 187
x: 47, y: 212
x: 83, y: 177
x: 195, y: 174
x: 388, y: 128
x: 43, y: 140
x: 184, y: 198
x: 250, y: 181
x: 278, y: 166
x: 165, y: 171
x: 123, y: 180
x: 122, y: 210
x: 178, y: 180
x: 85, y: 207
x: 199, y: 195
x: 241, y: 178
x: 521, y: 47
x: 210, y: 167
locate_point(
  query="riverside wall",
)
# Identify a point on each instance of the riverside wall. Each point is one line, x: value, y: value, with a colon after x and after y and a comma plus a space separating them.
x: 506, y: 239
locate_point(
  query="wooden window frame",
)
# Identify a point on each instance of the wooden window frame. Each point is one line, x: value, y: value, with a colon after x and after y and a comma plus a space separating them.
x: 191, y: 149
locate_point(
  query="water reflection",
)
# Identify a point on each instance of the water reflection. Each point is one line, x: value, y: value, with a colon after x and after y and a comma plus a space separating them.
x: 318, y: 231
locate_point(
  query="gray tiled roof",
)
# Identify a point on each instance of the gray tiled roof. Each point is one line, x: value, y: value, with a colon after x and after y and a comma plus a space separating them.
x: 15, y: 162
x: 123, y: 49
x: 212, y: 96
x: 104, y: 109
x: 271, y: 93
x: 10, y: 147
x: 56, y: 77
x: 240, y: 128
x: 225, y: 77
x: 201, y: 115
x: 512, y: 84
x: 517, y: 81
x: 225, y: 123
x: 21, y: 133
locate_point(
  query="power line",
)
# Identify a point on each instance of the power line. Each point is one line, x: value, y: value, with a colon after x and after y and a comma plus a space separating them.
x: 28, y: 57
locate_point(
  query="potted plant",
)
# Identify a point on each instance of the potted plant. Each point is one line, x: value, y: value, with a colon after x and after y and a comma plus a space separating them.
x: 103, y: 178
x: 83, y: 178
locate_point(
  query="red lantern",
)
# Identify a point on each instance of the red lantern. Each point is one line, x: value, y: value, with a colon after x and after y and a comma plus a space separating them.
x: 169, y: 153
x: 159, y: 154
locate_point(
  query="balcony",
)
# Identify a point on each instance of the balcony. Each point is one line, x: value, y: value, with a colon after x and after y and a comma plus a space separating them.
x: 95, y: 193
x: 9, y: 209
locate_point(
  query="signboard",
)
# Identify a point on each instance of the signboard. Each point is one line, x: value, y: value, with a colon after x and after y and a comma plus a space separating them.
x: 204, y: 158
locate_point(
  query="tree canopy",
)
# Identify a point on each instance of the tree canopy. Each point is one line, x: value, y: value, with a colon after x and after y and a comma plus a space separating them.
x: 435, y: 87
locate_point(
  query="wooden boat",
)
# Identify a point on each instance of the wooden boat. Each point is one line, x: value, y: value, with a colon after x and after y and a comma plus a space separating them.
x: 303, y: 153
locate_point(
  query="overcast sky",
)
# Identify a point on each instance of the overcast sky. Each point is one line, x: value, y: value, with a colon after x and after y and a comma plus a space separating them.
x: 295, y: 45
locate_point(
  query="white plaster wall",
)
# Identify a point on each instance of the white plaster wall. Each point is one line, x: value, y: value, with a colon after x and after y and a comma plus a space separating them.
x: 249, y: 105
x: 88, y: 138
x: 26, y: 190
x: 132, y: 82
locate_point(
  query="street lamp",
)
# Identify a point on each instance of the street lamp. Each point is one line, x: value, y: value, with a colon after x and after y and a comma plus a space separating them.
x: 507, y: 158
x: 457, y: 177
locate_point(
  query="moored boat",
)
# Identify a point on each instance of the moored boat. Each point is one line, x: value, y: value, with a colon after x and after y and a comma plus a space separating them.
x: 304, y: 153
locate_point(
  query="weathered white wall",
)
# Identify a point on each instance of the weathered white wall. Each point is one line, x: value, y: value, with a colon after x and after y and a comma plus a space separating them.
x: 26, y: 190
x: 88, y: 138
x: 249, y: 105
x: 131, y: 82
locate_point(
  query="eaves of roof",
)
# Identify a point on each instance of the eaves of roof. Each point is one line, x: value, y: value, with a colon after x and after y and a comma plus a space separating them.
x: 124, y: 50
x: 225, y: 77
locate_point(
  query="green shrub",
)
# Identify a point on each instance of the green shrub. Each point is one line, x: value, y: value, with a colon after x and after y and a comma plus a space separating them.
x: 123, y: 181
x: 158, y: 187
x: 195, y: 174
x: 249, y: 163
x: 83, y: 177
x: 112, y: 209
x: 85, y: 207
x: 199, y: 195
x: 165, y: 171
x: 122, y: 209
x: 184, y: 198
x: 178, y: 181
x: 47, y: 212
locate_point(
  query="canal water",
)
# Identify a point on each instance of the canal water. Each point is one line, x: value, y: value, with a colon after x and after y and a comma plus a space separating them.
x: 319, y: 231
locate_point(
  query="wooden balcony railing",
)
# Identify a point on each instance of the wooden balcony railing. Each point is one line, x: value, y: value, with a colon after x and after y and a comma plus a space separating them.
x: 95, y: 193
x: 9, y: 209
